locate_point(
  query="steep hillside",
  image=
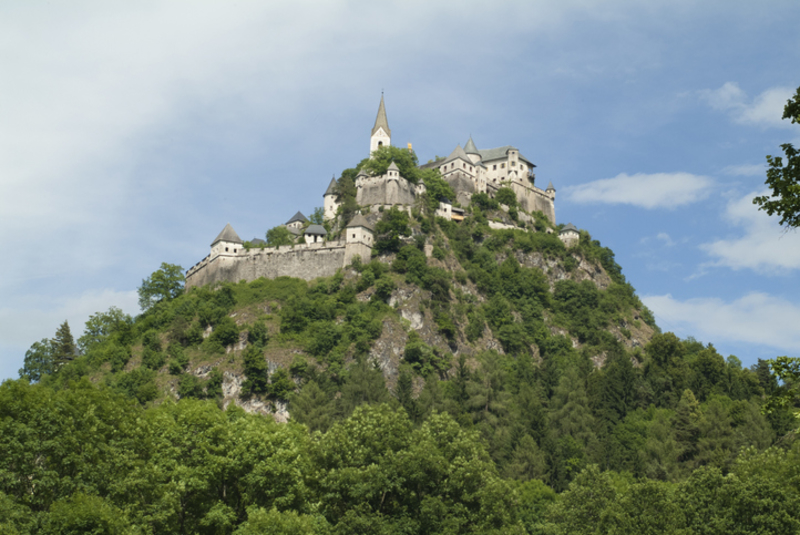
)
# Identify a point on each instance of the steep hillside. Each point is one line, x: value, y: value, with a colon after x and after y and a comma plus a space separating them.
x: 455, y: 382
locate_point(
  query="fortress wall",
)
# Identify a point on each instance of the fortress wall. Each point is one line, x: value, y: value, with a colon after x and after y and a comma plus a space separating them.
x: 304, y: 261
x: 386, y: 192
x: 463, y: 186
x: 532, y: 198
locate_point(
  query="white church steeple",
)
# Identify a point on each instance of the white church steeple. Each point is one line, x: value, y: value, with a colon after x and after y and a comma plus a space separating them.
x: 381, y: 135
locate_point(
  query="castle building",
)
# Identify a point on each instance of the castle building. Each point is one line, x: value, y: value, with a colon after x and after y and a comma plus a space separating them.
x: 468, y: 170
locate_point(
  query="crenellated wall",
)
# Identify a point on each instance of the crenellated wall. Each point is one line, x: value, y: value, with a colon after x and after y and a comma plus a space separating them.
x: 304, y: 261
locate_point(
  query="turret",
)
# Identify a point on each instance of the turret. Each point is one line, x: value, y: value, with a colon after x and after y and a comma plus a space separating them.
x: 551, y: 190
x: 226, y: 243
x: 472, y: 151
x: 329, y: 204
x: 381, y: 134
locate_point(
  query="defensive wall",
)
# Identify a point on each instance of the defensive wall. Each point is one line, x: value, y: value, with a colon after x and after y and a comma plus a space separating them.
x: 304, y: 261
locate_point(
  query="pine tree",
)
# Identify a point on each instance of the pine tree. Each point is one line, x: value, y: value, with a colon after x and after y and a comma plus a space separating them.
x: 64, y: 349
x: 686, y: 423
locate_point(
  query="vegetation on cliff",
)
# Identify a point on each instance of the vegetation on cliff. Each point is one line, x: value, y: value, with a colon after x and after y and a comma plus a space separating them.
x: 465, y: 380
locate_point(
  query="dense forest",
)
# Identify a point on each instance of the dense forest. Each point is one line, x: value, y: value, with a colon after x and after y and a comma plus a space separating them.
x: 532, y: 393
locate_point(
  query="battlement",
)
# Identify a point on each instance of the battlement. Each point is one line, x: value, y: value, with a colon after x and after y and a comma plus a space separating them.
x: 304, y: 260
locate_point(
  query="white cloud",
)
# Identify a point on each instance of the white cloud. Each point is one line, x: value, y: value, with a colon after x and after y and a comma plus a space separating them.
x: 657, y: 190
x: 765, y: 110
x: 764, y: 247
x: 756, y: 318
x: 759, y: 169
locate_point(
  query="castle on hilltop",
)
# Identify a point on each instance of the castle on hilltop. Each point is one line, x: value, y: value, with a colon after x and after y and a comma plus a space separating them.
x: 467, y: 170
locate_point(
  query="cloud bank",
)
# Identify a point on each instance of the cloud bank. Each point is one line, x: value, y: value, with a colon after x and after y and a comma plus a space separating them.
x: 756, y: 318
x: 657, y: 190
x: 765, y: 110
x: 764, y: 246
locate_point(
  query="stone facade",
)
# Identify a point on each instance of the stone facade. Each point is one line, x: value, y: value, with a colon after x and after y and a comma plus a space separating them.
x: 467, y: 170
x: 304, y: 261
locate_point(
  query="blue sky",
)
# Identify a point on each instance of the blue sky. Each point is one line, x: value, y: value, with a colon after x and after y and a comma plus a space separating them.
x: 131, y: 133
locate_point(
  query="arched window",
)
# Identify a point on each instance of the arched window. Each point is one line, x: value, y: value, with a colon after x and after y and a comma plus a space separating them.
x: 380, y: 144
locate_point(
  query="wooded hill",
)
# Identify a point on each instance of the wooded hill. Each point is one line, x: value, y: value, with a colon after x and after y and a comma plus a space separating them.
x: 503, y: 384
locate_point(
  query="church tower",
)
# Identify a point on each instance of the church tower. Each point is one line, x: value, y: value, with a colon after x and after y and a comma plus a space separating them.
x: 381, y: 135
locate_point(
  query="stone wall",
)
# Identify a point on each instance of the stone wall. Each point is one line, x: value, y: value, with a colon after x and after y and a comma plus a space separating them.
x: 384, y: 191
x: 305, y: 261
x: 530, y: 198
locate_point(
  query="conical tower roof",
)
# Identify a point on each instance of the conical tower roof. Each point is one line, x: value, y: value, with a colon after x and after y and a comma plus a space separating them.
x: 380, y: 120
x: 297, y: 217
x: 227, y: 234
x: 331, y: 188
x: 393, y: 167
x: 550, y: 186
x: 470, y: 147
x: 359, y: 221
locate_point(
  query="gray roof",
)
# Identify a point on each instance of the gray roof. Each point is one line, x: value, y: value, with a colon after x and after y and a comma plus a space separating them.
x: 257, y: 241
x: 227, y: 234
x: 359, y: 221
x: 316, y: 230
x: 470, y: 147
x: 550, y: 186
x: 380, y: 120
x: 500, y: 153
x: 393, y: 167
x: 331, y: 188
x: 457, y: 153
x: 568, y: 227
x: 297, y: 217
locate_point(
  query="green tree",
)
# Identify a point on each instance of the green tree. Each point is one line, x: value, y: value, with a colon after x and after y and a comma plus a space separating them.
x: 164, y: 284
x: 388, y: 231
x: 64, y: 349
x: 506, y: 196
x: 784, y: 179
x: 99, y: 327
x: 787, y: 395
x: 38, y: 361
x: 318, y: 216
x: 278, y: 236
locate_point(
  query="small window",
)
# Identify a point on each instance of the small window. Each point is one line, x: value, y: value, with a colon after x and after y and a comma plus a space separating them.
x: 494, y: 167
x: 234, y: 250
x: 380, y: 144
x: 502, y: 166
x: 226, y: 249
x: 513, y: 164
x: 354, y: 236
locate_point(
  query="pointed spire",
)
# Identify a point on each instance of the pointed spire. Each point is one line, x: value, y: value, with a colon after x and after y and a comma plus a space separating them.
x: 470, y: 147
x: 550, y: 187
x: 227, y: 234
x: 331, y: 188
x: 380, y: 120
x: 393, y: 167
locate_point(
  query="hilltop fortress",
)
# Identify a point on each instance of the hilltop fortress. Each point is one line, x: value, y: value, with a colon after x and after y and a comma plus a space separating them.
x: 467, y: 170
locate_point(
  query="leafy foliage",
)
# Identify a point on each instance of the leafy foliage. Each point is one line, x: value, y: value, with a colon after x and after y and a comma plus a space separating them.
x: 784, y: 180
x: 164, y: 284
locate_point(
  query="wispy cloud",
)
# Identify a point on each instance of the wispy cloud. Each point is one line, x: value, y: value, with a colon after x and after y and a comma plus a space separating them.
x: 763, y: 246
x: 766, y: 109
x: 758, y: 169
x: 657, y: 190
x: 756, y: 318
